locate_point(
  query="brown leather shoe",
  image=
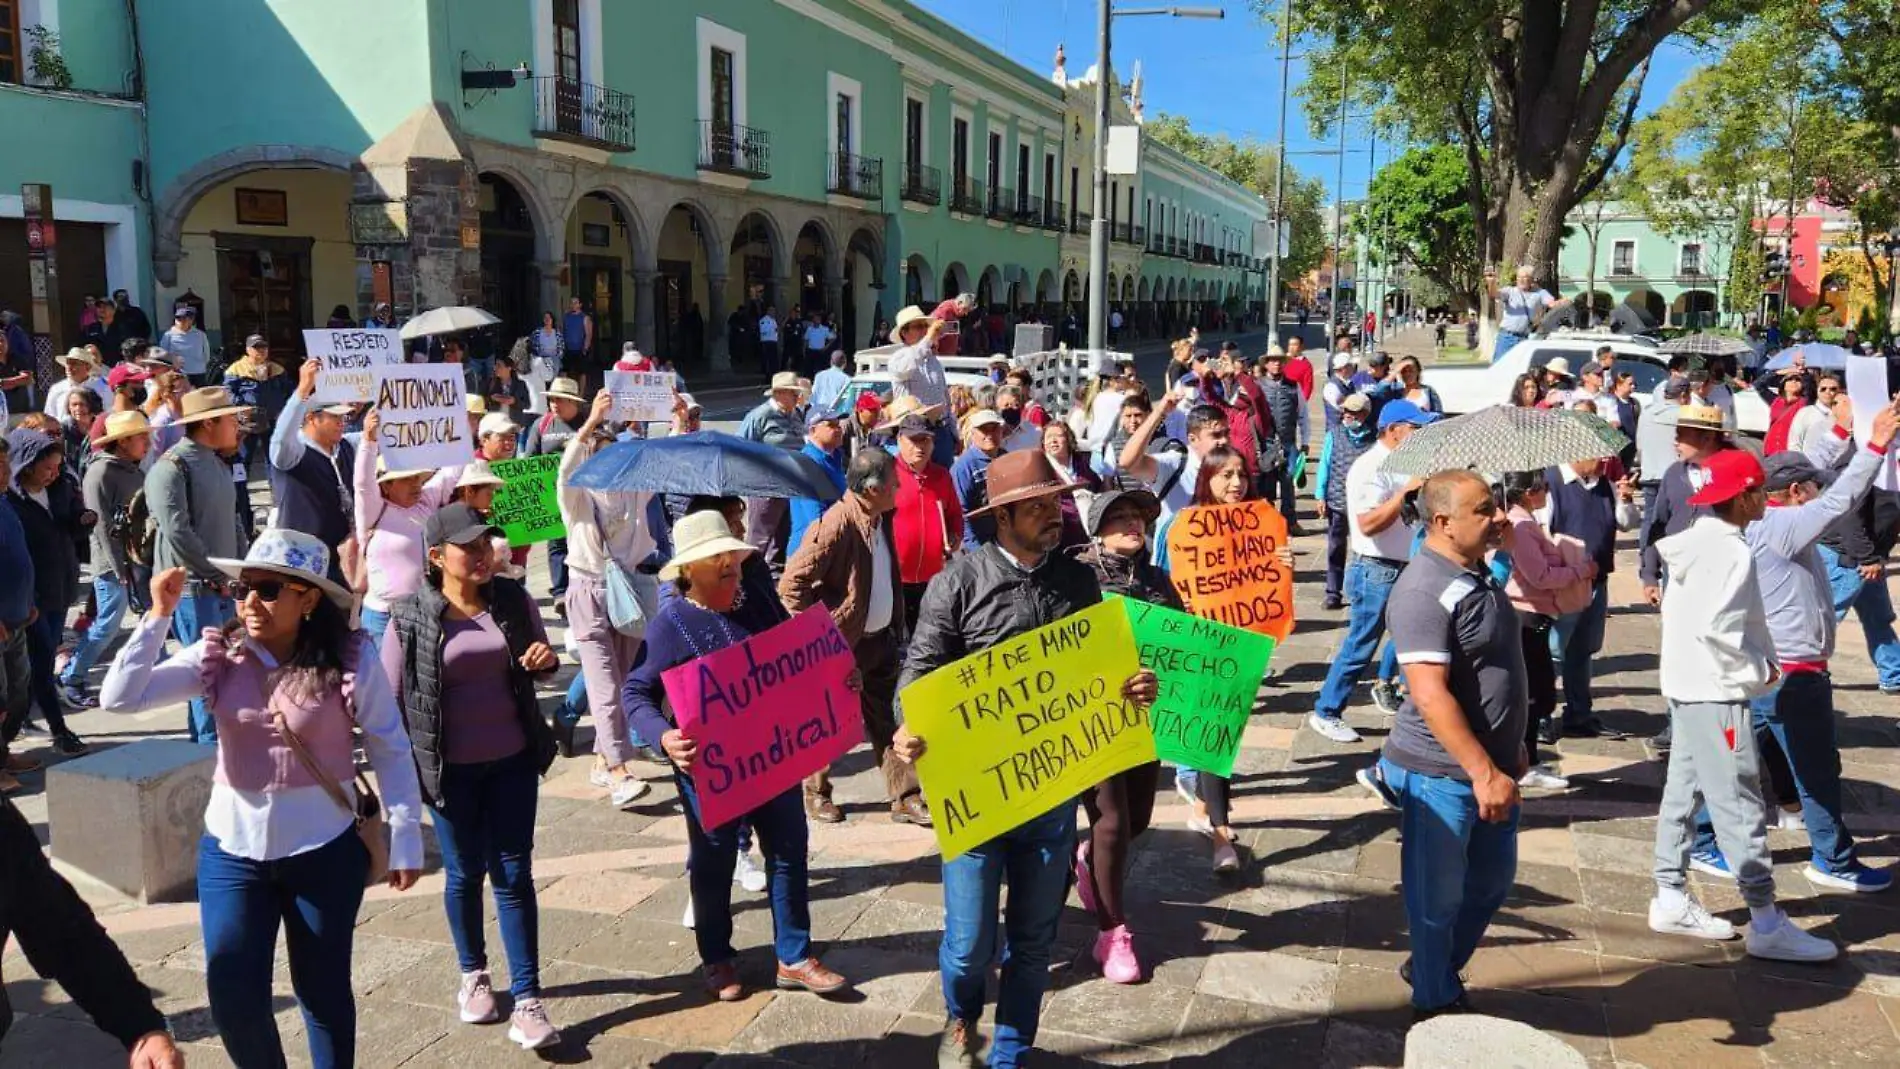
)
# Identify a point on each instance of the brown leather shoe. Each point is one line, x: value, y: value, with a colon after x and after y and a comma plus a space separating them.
x: 809, y: 975
x: 912, y: 810
x: 20, y: 762
x: 822, y: 809
x: 722, y: 982
x: 8, y: 784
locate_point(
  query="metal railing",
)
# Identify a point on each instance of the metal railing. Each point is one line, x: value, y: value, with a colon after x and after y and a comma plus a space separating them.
x: 1054, y: 213
x: 1028, y: 210
x: 851, y: 175
x: 1002, y: 203
x: 578, y: 111
x: 733, y: 149
x: 1079, y: 222
x: 923, y: 184
x: 966, y: 195
x: 1138, y: 235
x: 1122, y: 233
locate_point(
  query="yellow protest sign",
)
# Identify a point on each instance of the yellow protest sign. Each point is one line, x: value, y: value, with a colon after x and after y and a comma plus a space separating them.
x: 1018, y: 729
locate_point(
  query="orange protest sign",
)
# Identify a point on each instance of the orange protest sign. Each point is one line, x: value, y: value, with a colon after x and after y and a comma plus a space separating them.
x: 1224, y: 562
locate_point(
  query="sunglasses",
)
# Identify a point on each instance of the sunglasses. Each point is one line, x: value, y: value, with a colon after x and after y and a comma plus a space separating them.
x: 267, y: 590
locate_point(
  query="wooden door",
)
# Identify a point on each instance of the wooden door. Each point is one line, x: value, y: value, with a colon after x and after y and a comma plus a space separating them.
x: 265, y: 291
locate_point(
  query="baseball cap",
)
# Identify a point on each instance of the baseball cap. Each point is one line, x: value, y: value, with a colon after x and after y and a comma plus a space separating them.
x: 982, y: 417
x: 255, y: 340
x: 1784, y: 469
x: 1396, y: 412
x: 126, y: 374
x: 914, y: 427
x: 184, y: 310
x: 1730, y: 473
x: 821, y: 415
x: 457, y: 524
x: 495, y: 423
x: 1341, y: 360
x: 1357, y: 402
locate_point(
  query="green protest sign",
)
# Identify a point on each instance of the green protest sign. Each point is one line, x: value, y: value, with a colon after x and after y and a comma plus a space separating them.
x: 526, y: 506
x: 1208, y: 674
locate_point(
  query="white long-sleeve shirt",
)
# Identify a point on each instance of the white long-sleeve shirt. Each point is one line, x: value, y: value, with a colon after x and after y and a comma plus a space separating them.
x: 268, y: 825
x: 625, y: 539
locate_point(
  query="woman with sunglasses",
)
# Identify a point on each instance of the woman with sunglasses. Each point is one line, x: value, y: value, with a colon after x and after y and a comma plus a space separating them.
x: 464, y: 653
x: 281, y: 847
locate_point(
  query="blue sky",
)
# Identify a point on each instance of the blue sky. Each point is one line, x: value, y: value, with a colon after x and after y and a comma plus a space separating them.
x: 1223, y: 76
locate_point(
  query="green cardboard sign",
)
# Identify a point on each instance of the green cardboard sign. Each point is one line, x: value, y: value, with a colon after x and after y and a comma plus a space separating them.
x: 1208, y: 674
x: 527, y: 507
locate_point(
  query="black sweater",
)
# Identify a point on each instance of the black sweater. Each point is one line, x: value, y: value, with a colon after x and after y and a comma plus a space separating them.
x: 63, y: 942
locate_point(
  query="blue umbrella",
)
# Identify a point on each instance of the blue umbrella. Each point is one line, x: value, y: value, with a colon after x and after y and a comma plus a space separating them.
x: 1816, y: 354
x: 705, y: 462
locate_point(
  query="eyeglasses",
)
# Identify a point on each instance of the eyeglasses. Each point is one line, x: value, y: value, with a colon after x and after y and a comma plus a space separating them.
x: 267, y: 590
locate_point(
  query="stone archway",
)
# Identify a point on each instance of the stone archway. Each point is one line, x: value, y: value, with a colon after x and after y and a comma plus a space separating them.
x: 919, y: 280
x: 956, y: 280
x: 176, y: 200
x: 756, y: 253
x: 814, y: 276
x: 687, y: 286
x: 865, y: 300
x: 512, y: 276
x: 605, y: 243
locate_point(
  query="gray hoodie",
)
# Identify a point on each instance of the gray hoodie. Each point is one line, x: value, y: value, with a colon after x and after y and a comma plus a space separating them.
x: 110, y: 484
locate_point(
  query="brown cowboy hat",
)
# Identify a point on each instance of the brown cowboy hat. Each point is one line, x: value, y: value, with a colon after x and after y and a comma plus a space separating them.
x: 208, y: 402
x: 1020, y: 476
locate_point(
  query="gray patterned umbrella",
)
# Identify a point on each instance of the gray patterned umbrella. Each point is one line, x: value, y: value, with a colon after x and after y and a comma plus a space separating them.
x: 1705, y: 345
x: 1505, y: 438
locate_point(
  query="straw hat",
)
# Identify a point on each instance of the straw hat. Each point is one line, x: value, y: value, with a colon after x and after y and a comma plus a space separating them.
x: 1021, y: 476
x: 907, y: 405
x: 787, y: 380
x: 288, y: 553
x: 566, y: 389
x: 1700, y: 417
x: 123, y: 425
x: 208, y: 402
x: 698, y: 536
x: 477, y: 473
x: 909, y: 315
x: 1559, y: 367
x: 77, y: 355
x: 385, y: 475
x: 476, y: 404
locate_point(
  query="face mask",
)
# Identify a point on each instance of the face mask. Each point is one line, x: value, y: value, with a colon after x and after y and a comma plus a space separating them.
x: 1011, y: 416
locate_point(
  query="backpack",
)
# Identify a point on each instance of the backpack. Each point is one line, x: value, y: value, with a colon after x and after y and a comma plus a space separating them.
x: 132, y: 526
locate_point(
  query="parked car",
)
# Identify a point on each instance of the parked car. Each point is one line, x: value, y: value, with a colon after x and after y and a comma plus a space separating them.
x: 1469, y: 388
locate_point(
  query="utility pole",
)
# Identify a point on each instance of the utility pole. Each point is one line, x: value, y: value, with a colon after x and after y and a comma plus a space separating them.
x: 1339, y: 210
x: 1374, y: 299
x: 1279, y: 177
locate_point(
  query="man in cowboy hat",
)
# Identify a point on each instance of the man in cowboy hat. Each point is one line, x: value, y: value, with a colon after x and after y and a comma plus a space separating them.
x: 775, y: 422
x: 977, y: 603
x: 550, y: 434
x: 113, y: 475
x: 194, y: 505
x: 82, y: 373
x: 311, y: 466
x: 849, y: 563
x: 916, y: 372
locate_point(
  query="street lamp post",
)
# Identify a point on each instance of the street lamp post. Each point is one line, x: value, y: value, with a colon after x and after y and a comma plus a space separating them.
x: 1098, y: 224
x: 1279, y: 176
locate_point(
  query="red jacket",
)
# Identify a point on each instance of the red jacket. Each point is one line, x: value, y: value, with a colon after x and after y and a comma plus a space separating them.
x: 947, y: 343
x: 928, y: 519
x: 1247, y: 419
x: 1300, y: 373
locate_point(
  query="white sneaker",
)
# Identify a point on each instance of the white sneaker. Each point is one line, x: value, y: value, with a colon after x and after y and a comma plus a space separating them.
x: 1333, y: 728
x: 627, y: 791
x: 600, y: 777
x: 1197, y: 815
x: 1540, y: 778
x: 748, y: 874
x: 1787, y: 942
x: 1690, y: 920
x: 686, y: 919
x: 1790, y: 820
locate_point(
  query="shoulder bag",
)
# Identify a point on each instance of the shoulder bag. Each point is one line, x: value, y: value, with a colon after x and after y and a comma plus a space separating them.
x: 624, y: 608
x: 367, y: 813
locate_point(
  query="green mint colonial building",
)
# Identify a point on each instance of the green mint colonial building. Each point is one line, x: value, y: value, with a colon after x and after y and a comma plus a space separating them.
x: 1674, y: 280
x: 667, y: 162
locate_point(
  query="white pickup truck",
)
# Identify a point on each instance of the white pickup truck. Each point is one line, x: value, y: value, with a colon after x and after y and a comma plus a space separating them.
x: 1467, y: 389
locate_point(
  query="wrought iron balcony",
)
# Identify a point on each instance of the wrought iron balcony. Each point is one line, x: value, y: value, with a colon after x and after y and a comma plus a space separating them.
x: 1139, y: 235
x: 967, y: 196
x: 1054, y: 212
x: 922, y: 184
x: 1028, y: 210
x: 578, y: 111
x: 1122, y: 233
x: 1079, y: 222
x: 1002, y: 203
x: 857, y: 176
x: 733, y: 149
x: 1204, y: 254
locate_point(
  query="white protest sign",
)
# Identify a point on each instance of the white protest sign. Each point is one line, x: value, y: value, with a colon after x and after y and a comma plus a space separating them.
x: 641, y: 396
x: 352, y: 362
x: 424, y: 418
x: 1867, y: 390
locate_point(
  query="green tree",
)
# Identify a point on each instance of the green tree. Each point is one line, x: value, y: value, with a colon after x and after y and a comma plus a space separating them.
x: 1538, y: 95
x: 1417, y: 210
x: 1254, y: 165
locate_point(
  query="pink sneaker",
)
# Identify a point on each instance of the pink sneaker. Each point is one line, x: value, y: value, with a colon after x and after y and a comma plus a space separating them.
x: 1115, y: 953
x: 1084, y: 879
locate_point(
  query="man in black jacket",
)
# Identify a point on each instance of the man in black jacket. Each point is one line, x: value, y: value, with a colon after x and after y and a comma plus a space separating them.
x: 65, y: 944
x: 1002, y: 589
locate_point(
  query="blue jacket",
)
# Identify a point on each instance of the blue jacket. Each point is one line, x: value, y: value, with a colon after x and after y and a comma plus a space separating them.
x: 16, y: 594
x: 806, y: 510
x: 971, y: 474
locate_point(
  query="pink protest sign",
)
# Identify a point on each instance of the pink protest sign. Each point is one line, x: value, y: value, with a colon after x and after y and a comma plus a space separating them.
x: 766, y: 713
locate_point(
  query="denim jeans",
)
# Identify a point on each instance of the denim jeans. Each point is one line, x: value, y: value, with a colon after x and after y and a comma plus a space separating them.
x: 1368, y: 585
x: 485, y: 826
x: 16, y: 687
x: 1505, y: 341
x: 374, y: 623
x: 1455, y: 869
x: 315, y: 896
x: 1874, y: 606
x: 1033, y: 860
x: 195, y: 613
x: 42, y: 649
x: 557, y: 568
x: 1335, y: 551
x: 1798, y: 715
x: 711, y: 855
x: 1577, y: 637
x: 109, y: 593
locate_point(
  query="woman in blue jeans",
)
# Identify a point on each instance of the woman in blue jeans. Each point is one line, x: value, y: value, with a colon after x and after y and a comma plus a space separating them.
x: 280, y: 847
x: 464, y: 652
x: 711, y: 613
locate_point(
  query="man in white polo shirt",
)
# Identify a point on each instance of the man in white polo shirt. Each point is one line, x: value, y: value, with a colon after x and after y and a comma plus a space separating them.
x: 1381, y: 542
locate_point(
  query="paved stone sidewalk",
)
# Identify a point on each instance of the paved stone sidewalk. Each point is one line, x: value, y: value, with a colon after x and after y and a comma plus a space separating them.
x: 1293, y: 964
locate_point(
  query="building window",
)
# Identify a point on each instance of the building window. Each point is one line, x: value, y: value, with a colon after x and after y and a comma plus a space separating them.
x: 1691, y: 259
x: 1022, y: 170
x: 1049, y: 175
x: 12, y: 64
x: 567, y: 40
x: 913, y: 132
x: 1623, y: 258
x: 996, y: 161
x: 722, y: 90
x: 960, y: 148
x: 844, y: 124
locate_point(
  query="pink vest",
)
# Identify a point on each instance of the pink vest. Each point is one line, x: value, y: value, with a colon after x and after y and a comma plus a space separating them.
x: 243, y: 697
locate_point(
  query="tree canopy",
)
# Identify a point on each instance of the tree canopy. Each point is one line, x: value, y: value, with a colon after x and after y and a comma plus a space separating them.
x: 1253, y: 164
x: 1417, y: 210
